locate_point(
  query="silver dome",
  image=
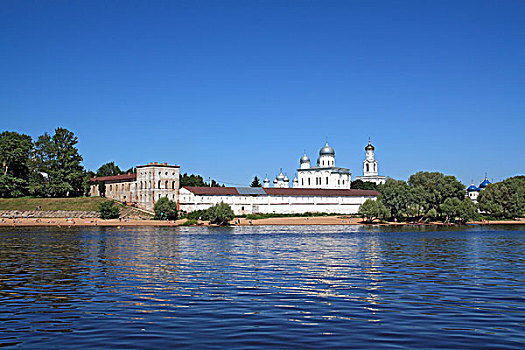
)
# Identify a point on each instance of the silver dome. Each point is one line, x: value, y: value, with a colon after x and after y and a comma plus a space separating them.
x: 327, y: 150
x: 305, y: 159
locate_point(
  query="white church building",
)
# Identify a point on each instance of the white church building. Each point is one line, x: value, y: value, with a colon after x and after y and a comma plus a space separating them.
x: 370, y: 172
x: 325, y: 174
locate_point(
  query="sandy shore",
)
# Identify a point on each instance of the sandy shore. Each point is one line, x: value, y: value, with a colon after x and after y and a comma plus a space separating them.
x: 318, y: 220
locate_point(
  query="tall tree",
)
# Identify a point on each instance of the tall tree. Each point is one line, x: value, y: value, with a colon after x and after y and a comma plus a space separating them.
x: 57, y: 165
x: 500, y: 200
x: 193, y: 180
x: 109, y: 169
x: 363, y: 185
x: 15, y: 150
x: 256, y: 182
x: 373, y: 209
x: 396, y: 197
x: 431, y: 189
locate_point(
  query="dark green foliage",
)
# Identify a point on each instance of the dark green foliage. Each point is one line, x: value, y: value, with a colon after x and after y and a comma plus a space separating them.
x: 190, y: 222
x: 11, y: 186
x: 256, y: 182
x: 373, y: 209
x: 15, y: 150
x: 131, y: 170
x: 430, y: 189
x: 57, y: 157
x: 396, y: 197
x: 220, y: 214
x: 109, y: 169
x: 458, y: 210
x: 102, y: 189
x: 197, y: 215
x: 108, y: 210
x: 165, y: 209
x: 363, y: 185
x: 196, y: 181
x: 427, y: 196
x: 504, y: 200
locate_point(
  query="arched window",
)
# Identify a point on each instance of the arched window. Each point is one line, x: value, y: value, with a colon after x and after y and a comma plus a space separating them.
x: 327, y: 181
x: 159, y: 185
x: 110, y: 187
x: 302, y: 182
x: 375, y: 167
x: 166, y: 184
x: 173, y: 185
x: 367, y: 167
x: 308, y: 181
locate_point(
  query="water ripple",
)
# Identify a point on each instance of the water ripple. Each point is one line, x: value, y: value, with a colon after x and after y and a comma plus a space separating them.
x: 256, y: 287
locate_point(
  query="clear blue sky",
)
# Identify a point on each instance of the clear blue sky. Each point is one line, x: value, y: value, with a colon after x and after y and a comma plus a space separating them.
x: 233, y: 89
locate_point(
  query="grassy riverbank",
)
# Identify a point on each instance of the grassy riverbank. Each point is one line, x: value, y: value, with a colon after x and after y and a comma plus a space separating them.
x: 70, y: 204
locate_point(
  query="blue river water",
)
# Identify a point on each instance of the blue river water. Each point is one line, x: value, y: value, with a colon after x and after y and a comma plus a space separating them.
x: 279, y: 287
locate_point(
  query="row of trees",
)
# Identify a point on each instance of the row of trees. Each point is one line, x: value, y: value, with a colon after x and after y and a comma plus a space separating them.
x: 193, y: 180
x: 219, y: 214
x: 434, y: 196
x: 49, y: 167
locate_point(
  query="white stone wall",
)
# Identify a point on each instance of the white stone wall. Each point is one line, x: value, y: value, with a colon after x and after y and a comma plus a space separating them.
x: 273, y: 204
x: 155, y: 181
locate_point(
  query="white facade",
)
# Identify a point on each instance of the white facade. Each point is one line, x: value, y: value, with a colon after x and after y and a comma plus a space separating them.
x: 273, y: 200
x: 325, y: 175
x: 370, y: 171
x: 149, y: 184
x: 155, y: 181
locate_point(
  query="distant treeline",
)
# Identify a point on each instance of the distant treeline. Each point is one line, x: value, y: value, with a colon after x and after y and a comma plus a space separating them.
x: 48, y: 167
x: 51, y: 166
x: 429, y: 196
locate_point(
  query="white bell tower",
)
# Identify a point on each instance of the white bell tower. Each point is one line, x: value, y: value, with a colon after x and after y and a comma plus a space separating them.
x: 370, y: 164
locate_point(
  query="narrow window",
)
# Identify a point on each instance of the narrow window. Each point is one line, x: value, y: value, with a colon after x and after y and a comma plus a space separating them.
x: 367, y: 167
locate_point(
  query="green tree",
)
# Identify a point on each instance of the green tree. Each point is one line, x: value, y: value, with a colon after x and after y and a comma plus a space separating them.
x: 11, y: 186
x: 109, y: 169
x: 396, y: 197
x: 102, y: 188
x: 363, y: 185
x: 165, y: 209
x: 220, y: 214
x: 431, y: 189
x: 373, y: 209
x: 193, y: 180
x: 15, y: 150
x: 458, y: 210
x: 501, y: 200
x: 58, y: 163
x: 256, y: 182
x: 108, y: 210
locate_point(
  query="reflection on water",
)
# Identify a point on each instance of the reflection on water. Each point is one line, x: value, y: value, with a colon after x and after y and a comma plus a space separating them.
x: 252, y: 287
